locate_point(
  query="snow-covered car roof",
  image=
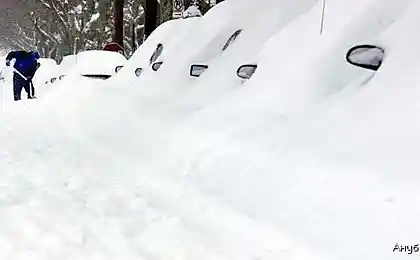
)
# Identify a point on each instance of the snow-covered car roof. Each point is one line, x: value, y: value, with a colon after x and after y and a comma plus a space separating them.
x: 47, y: 62
x: 46, y: 70
x: 93, y: 63
x: 98, y: 62
x: 68, y: 62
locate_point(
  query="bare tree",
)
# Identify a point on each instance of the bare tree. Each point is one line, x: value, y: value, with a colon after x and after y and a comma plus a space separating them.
x: 134, y: 18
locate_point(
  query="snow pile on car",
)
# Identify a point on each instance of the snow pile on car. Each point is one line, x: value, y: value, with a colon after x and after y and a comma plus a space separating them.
x: 96, y: 62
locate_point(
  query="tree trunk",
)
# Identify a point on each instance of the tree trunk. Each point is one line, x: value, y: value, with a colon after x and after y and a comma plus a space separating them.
x: 151, y: 16
x: 119, y: 21
x: 133, y: 38
x: 140, y: 35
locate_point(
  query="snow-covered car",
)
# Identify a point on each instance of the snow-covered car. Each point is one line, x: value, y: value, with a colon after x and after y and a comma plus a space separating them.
x: 66, y: 64
x: 232, y: 37
x: 45, y: 71
x: 138, y: 71
x: 94, y: 64
x: 98, y: 64
x: 148, y: 57
x: 199, y: 68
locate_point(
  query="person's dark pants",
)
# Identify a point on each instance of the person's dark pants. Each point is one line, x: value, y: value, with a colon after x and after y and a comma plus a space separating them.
x: 20, y: 83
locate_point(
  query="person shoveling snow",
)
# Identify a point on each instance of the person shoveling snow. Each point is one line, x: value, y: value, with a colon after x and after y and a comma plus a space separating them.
x: 26, y: 64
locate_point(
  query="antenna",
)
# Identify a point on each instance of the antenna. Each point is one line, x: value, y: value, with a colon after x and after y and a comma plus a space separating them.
x: 322, y: 17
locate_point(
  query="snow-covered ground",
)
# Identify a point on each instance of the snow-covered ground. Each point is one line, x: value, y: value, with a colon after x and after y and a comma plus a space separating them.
x: 311, y: 158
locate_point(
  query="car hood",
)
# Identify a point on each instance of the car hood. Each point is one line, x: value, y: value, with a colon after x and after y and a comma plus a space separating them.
x: 99, y: 62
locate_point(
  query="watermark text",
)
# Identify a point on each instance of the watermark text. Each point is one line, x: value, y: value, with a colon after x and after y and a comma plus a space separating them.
x: 409, y: 249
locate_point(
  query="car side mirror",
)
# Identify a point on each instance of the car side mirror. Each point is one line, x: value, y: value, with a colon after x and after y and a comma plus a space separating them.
x: 156, y: 65
x: 246, y: 71
x: 138, y: 72
x: 118, y: 68
x: 366, y: 56
x: 197, y: 69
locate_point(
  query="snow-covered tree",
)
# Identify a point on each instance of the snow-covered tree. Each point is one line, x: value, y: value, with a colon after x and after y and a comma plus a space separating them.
x: 134, y: 18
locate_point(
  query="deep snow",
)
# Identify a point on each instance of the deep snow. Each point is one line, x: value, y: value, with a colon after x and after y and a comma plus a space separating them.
x: 311, y: 158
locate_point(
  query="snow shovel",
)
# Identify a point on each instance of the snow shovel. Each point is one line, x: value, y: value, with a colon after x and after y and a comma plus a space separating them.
x: 30, y: 83
x: 20, y: 74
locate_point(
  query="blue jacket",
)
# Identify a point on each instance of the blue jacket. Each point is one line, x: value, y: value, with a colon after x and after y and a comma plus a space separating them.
x: 25, y: 62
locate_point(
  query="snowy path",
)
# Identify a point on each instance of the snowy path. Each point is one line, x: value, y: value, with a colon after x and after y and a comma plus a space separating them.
x: 63, y: 198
